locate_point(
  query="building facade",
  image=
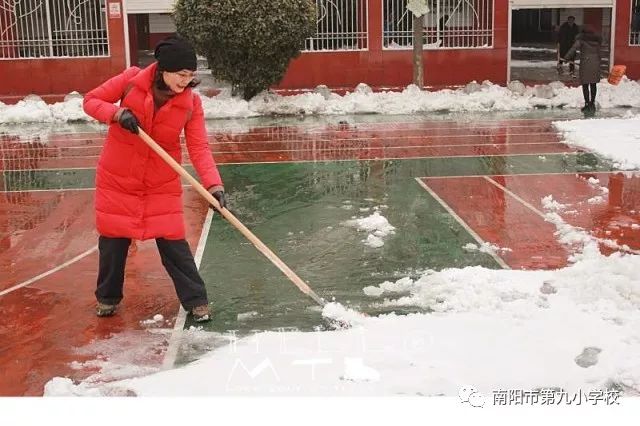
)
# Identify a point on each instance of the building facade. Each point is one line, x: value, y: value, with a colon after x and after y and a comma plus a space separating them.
x: 51, y: 47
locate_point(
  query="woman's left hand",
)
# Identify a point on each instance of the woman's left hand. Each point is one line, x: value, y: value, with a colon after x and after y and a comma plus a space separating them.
x: 218, y: 193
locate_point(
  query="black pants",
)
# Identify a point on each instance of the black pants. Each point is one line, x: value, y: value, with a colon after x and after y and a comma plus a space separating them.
x: 176, y: 257
x: 585, y: 92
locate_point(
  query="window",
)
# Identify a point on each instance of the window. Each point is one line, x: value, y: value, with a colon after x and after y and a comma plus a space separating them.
x: 53, y: 28
x: 341, y: 25
x: 634, y: 34
x: 449, y: 24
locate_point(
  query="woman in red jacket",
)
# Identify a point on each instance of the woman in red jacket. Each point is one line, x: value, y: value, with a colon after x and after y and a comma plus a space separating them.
x: 138, y: 196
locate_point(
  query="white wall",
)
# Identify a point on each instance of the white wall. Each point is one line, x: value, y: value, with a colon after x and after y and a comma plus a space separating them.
x: 149, y: 6
x: 161, y: 24
x: 551, y: 4
x: 577, y: 13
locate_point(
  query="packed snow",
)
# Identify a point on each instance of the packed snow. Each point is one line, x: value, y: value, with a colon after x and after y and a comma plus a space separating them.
x: 533, y: 49
x: 473, y: 97
x: 376, y: 225
x: 615, y: 138
x: 520, y: 63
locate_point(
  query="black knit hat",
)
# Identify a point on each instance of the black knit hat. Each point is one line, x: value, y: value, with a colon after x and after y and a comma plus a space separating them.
x: 175, y: 54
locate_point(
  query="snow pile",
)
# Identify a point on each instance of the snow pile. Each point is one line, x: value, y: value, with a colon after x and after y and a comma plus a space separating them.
x: 376, y: 225
x: 156, y: 320
x: 340, y: 315
x: 518, y: 63
x: 615, y: 138
x: 403, y: 285
x: 356, y: 371
x: 473, y: 97
x: 32, y: 109
x: 548, y: 203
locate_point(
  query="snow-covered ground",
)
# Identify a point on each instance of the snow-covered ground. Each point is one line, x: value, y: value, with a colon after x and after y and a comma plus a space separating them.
x: 520, y: 63
x: 615, y: 138
x: 575, y: 329
x: 473, y: 97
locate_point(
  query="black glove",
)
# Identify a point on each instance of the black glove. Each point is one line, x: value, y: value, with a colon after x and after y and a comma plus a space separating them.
x: 219, y: 195
x: 129, y: 121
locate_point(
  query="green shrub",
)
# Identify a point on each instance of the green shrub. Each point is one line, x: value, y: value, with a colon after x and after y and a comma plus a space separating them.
x: 248, y: 43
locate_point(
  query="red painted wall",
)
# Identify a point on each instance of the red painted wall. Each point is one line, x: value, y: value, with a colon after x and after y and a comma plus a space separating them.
x: 133, y: 40
x: 155, y: 38
x: 20, y: 77
x: 593, y: 18
x: 376, y: 67
x: 387, y: 68
x: 623, y: 53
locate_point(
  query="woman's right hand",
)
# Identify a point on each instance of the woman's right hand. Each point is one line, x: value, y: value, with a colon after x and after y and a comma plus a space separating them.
x: 128, y: 121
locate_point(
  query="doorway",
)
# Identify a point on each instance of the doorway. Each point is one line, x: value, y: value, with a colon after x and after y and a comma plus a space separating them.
x: 534, y: 42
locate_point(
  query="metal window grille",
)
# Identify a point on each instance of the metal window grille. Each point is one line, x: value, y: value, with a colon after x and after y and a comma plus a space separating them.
x: 634, y: 33
x: 53, y: 28
x: 341, y: 25
x: 450, y: 24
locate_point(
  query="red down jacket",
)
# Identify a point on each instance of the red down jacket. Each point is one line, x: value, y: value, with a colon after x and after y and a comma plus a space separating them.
x: 137, y: 194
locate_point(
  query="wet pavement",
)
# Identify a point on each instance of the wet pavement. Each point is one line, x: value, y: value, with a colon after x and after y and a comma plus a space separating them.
x: 536, y: 64
x: 443, y: 182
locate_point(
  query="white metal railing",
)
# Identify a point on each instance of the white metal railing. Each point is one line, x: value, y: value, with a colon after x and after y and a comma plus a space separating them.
x: 450, y: 24
x: 634, y: 33
x: 53, y: 28
x: 341, y: 25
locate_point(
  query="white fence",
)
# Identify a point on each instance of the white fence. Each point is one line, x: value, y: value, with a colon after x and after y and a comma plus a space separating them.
x: 53, y: 28
x: 634, y: 34
x: 341, y: 25
x: 450, y: 24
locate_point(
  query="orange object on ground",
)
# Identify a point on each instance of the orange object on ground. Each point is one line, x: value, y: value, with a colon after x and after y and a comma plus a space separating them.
x: 616, y: 74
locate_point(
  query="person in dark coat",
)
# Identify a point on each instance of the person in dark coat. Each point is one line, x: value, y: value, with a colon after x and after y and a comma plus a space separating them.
x: 589, y: 44
x: 138, y: 195
x: 566, y: 37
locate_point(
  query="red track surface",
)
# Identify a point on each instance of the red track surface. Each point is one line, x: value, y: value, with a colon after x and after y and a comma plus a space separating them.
x: 500, y: 217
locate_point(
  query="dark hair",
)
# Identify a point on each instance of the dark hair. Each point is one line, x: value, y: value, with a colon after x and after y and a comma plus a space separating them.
x: 571, y: 17
x: 160, y: 84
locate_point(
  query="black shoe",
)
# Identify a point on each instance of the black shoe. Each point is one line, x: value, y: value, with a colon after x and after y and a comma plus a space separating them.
x: 586, y: 107
x: 201, y: 313
x: 104, y: 310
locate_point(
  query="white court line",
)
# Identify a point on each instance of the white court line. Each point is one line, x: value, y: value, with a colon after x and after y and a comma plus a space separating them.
x: 534, y: 174
x: 371, y: 125
x: 178, y: 328
x: 471, y: 232
x: 232, y: 163
x: 369, y: 140
x: 542, y: 215
x: 50, y: 271
x: 214, y: 141
x: 308, y: 148
x: 425, y: 177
